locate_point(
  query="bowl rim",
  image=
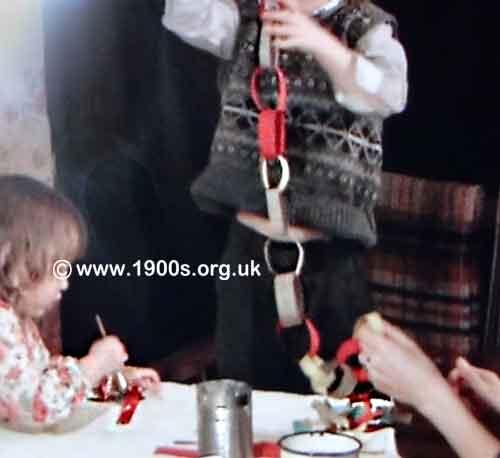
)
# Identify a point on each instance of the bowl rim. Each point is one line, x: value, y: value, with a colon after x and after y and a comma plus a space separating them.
x: 320, y: 454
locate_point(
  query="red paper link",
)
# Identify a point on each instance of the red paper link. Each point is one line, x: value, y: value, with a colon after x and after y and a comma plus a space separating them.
x: 282, y: 90
x: 314, y: 337
x: 272, y: 134
x: 346, y: 351
x: 315, y: 340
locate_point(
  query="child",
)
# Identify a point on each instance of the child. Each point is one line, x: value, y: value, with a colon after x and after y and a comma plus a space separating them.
x: 399, y: 368
x: 346, y: 72
x: 38, y: 227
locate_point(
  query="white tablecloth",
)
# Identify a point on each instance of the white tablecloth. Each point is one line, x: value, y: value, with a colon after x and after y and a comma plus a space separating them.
x: 157, y: 421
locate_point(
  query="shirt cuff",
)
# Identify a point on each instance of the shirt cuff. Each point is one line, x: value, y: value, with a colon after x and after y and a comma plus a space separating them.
x: 210, y: 25
x: 366, y: 80
x: 368, y: 76
x: 376, y: 80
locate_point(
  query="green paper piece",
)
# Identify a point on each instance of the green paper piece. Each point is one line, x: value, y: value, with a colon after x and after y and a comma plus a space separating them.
x: 302, y: 426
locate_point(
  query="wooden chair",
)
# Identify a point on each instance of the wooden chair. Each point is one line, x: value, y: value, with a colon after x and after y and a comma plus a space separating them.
x: 435, y: 269
x: 491, y: 337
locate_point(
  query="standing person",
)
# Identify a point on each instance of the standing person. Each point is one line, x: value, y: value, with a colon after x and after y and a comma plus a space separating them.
x: 346, y: 73
x: 121, y: 107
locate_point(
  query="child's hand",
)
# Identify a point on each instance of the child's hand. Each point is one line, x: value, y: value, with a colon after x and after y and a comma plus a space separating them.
x: 398, y: 367
x: 293, y: 29
x: 484, y: 383
x: 145, y: 377
x: 109, y: 352
x: 105, y: 356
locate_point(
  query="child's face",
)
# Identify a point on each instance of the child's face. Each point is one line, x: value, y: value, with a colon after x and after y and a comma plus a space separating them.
x: 37, y: 300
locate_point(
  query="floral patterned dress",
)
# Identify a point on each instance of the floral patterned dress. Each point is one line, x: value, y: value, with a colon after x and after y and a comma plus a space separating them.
x: 36, y: 390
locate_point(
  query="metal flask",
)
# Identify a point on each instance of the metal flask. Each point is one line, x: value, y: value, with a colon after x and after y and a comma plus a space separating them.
x: 224, y: 419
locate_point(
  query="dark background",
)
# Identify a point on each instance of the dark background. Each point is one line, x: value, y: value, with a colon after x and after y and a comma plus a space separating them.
x: 132, y: 112
x: 450, y: 127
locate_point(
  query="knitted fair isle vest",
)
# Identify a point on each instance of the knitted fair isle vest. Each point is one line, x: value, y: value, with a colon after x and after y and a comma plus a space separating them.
x: 335, y: 155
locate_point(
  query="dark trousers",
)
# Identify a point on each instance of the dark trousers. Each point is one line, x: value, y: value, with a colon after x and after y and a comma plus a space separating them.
x: 248, y: 346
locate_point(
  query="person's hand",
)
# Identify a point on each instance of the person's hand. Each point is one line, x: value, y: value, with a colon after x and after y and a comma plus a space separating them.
x: 484, y: 383
x: 292, y: 28
x: 147, y: 378
x: 105, y: 356
x: 397, y: 366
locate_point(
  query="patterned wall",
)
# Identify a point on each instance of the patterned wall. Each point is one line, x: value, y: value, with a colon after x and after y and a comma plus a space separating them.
x: 24, y: 127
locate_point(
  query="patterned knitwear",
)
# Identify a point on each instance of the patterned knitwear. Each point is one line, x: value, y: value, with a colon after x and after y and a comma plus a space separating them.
x: 335, y: 155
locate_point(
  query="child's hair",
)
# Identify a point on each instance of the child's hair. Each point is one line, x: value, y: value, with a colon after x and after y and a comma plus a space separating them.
x: 38, y: 226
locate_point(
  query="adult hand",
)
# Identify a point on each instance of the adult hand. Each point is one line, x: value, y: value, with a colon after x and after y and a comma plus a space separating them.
x: 397, y: 366
x: 484, y: 383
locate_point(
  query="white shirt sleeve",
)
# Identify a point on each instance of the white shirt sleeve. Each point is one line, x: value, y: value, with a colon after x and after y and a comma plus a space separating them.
x: 376, y: 82
x: 210, y: 25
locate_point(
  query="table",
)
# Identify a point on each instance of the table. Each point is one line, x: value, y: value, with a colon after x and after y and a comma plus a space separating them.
x: 172, y: 416
x: 158, y: 421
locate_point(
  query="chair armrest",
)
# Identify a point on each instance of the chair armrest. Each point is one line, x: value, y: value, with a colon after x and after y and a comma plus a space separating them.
x: 491, y: 341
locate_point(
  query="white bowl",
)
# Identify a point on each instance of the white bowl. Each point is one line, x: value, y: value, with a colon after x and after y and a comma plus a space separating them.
x: 319, y: 444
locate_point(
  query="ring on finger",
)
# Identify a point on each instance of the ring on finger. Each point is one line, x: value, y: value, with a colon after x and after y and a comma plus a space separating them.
x: 364, y: 359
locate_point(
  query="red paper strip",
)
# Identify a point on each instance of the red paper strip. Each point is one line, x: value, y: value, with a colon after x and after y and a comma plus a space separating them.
x: 266, y: 450
x: 130, y: 403
x: 272, y: 134
x: 260, y: 450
